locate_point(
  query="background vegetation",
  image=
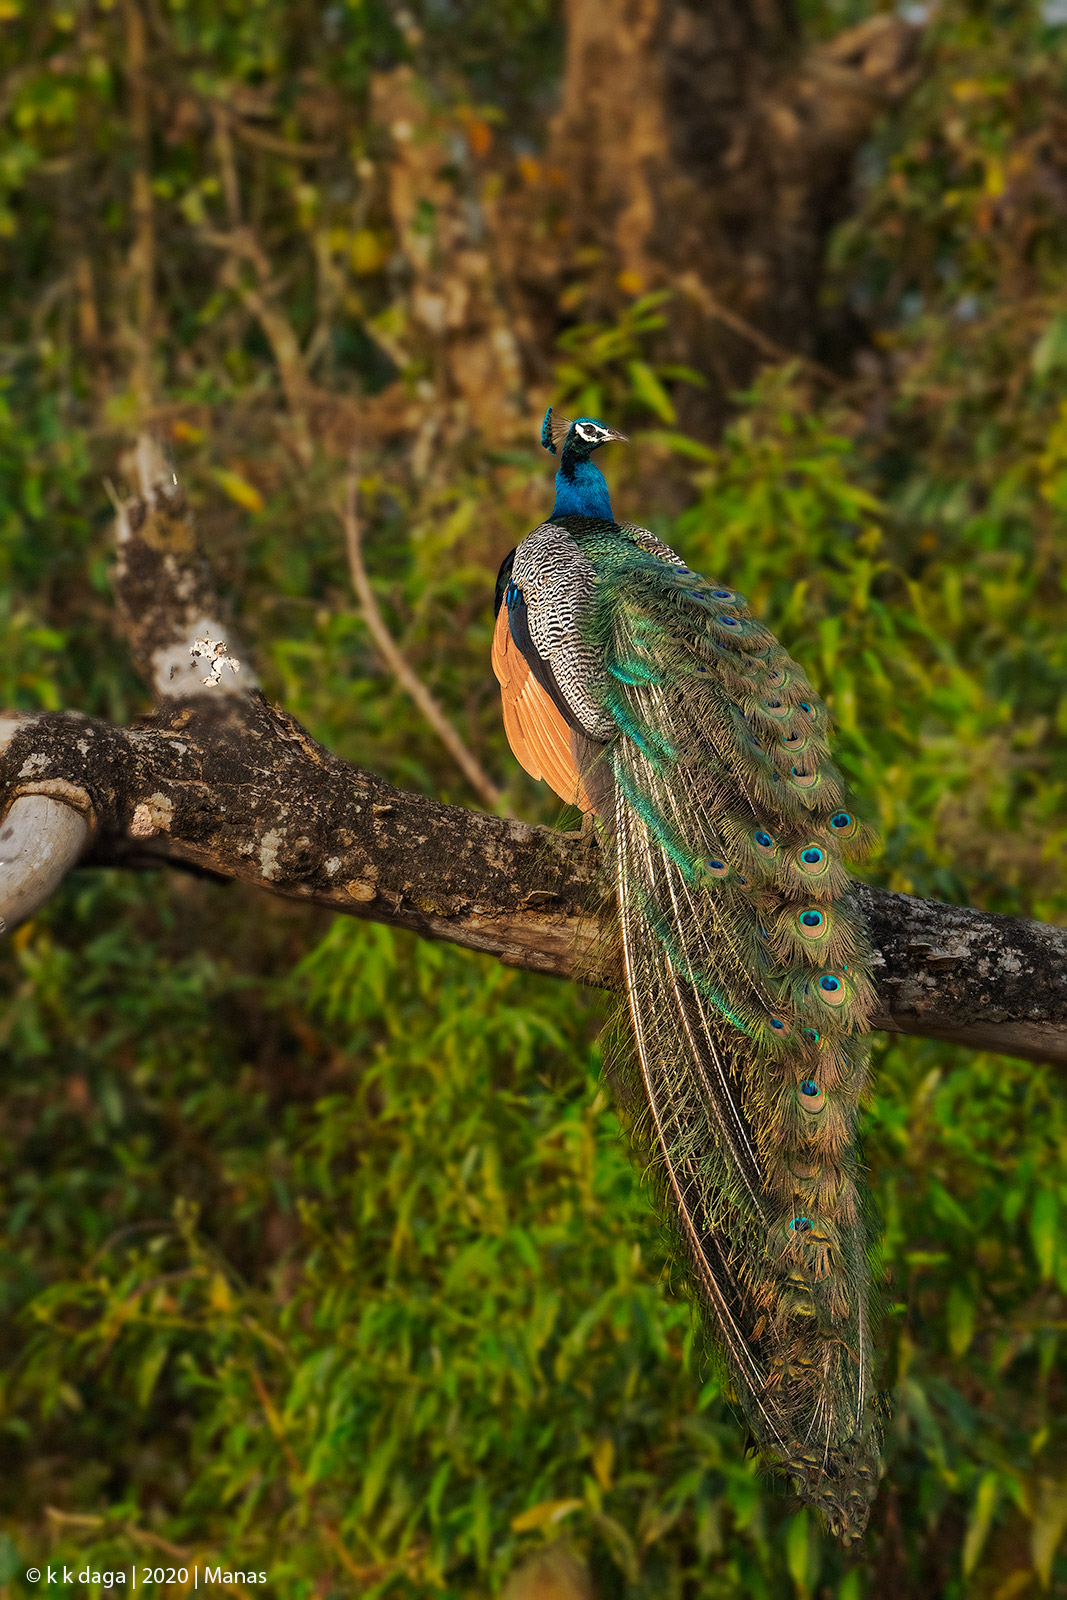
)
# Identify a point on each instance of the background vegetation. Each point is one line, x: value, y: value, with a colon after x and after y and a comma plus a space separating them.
x: 321, y: 1253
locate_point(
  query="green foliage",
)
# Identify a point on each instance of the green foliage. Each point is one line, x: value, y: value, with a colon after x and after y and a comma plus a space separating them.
x: 320, y: 1250
x: 605, y: 371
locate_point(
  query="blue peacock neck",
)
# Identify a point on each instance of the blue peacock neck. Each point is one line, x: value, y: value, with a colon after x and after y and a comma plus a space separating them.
x: 581, y: 489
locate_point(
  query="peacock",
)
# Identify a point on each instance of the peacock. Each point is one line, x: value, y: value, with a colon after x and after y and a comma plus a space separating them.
x: 651, y: 697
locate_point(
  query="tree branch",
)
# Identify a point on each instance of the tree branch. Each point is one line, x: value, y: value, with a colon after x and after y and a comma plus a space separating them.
x: 219, y: 780
x: 241, y: 244
x: 236, y: 787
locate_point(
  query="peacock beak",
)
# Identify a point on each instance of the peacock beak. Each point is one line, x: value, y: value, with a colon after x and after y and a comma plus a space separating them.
x: 615, y: 437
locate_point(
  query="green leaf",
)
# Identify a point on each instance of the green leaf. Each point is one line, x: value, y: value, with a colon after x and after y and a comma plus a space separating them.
x: 149, y: 1371
x: 620, y: 1545
x: 648, y: 389
x: 10, y: 1561
x: 849, y: 1587
x: 1050, y: 351
x: 239, y: 490
x: 960, y: 1313
x: 678, y: 443
x: 980, y: 1520
x: 1044, y: 1230
x: 1047, y: 1529
x: 803, y: 1553
x: 545, y: 1514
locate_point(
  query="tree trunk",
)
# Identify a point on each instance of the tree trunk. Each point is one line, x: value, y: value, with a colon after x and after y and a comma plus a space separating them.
x: 697, y: 147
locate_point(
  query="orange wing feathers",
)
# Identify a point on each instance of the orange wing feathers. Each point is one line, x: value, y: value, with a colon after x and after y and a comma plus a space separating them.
x: 537, y: 733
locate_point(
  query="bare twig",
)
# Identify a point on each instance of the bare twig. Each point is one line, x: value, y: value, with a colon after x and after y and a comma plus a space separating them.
x: 242, y: 244
x: 397, y: 663
x: 221, y: 109
x: 231, y: 189
x: 698, y: 291
x: 260, y: 139
x: 151, y: 1541
x: 142, y: 258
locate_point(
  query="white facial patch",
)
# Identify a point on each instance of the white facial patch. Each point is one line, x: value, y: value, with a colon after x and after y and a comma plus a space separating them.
x: 591, y: 433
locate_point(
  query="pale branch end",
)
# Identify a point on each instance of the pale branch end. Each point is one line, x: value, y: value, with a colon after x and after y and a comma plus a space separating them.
x: 219, y: 780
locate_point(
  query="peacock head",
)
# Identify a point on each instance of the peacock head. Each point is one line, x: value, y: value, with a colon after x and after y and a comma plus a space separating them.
x: 576, y: 441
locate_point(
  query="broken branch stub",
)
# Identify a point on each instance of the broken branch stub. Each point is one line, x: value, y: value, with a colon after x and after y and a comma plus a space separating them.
x: 164, y: 590
x: 44, y: 830
x: 41, y: 839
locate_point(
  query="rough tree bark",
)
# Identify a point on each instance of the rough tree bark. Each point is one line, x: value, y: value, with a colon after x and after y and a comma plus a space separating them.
x: 221, y: 781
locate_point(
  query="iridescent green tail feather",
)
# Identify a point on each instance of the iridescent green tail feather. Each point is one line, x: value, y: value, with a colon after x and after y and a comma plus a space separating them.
x: 746, y: 967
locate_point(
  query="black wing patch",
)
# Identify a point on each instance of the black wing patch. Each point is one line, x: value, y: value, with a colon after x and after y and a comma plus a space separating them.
x: 519, y: 627
x: 503, y: 578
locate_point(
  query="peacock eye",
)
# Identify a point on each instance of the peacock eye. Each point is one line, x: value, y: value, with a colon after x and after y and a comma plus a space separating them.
x: 829, y: 984
x: 840, y: 820
x: 717, y: 867
x: 811, y: 919
x: 722, y: 594
x: 729, y: 622
x: 763, y: 840
x: 810, y: 1095
x: 775, y: 708
x: 812, y: 858
x: 800, y: 1225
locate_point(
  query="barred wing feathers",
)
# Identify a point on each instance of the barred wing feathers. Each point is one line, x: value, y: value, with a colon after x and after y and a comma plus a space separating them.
x: 539, y: 737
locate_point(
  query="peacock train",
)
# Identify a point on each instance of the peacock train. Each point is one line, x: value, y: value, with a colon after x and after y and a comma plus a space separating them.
x: 650, y: 697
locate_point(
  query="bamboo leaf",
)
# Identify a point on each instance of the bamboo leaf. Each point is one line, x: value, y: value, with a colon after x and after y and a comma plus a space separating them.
x: 239, y: 490
x: 545, y: 1514
x: 960, y: 1313
x: 980, y: 1520
x: 1044, y: 1231
x: 648, y: 389
x: 1048, y: 1526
